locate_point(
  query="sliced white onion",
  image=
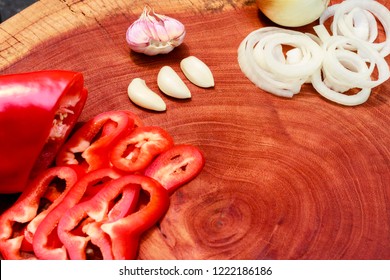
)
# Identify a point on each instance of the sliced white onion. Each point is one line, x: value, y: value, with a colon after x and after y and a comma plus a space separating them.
x: 344, y: 69
x: 357, y: 19
x: 335, y: 49
x: 362, y: 24
x: 294, y: 56
x: 261, y: 59
x: 349, y: 59
x: 337, y: 97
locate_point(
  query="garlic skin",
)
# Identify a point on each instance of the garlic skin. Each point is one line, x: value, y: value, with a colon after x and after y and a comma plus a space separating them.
x: 171, y: 84
x: 292, y: 13
x: 143, y: 96
x: 197, y: 72
x: 154, y: 34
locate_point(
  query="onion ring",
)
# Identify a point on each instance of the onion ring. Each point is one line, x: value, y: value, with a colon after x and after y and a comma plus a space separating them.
x: 261, y: 59
x: 337, y: 97
x: 334, y: 49
x: 351, y: 58
x: 354, y: 18
x: 344, y: 69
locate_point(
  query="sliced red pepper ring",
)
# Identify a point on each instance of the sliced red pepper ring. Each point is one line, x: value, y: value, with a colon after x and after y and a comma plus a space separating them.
x: 79, y: 228
x: 110, y: 126
x: 135, y: 151
x: 101, y: 215
x: 125, y: 233
x: 43, y: 245
x: 177, y: 166
x: 52, y: 99
x: 93, y: 140
x: 30, y: 209
x: 137, y: 120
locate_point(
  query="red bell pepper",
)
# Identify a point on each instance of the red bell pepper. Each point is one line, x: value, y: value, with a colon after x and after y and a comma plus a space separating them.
x: 19, y: 222
x: 126, y: 232
x: 137, y: 120
x: 37, y: 112
x: 83, y: 190
x: 176, y: 166
x: 94, y: 140
x: 110, y: 126
x: 80, y: 225
x: 135, y: 151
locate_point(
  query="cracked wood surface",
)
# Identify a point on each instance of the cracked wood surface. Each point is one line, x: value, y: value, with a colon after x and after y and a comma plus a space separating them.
x: 297, y: 178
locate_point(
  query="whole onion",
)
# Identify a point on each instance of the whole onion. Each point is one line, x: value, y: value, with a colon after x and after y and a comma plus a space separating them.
x: 292, y: 13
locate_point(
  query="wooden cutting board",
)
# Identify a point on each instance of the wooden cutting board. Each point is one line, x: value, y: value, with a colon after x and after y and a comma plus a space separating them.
x: 298, y: 178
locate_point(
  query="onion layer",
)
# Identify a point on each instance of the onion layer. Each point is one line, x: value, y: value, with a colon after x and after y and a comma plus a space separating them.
x: 261, y: 59
x: 335, y: 64
x: 357, y: 20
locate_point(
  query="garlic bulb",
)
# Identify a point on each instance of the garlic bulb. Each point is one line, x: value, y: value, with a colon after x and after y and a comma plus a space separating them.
x: 292, y: 13
x: 171, y: 84
x: 155, y: 34
x: 143, y: 96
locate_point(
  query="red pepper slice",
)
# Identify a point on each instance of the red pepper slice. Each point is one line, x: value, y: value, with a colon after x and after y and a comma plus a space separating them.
x: 47, y: 229
x: 125, y: 233
x: 137, y: 120
x: 110, y: 126
x: 135, y: 152
x: 177, y: 166
x: 37, y: 112
x: 30, y: 209
x: 94, y: 140
x: 80, y: 226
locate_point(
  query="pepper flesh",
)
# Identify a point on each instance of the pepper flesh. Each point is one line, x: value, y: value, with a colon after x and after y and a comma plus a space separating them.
x: 135, y: 151
x: 101, y: 216
x: 27, y: 212
x: 126, y: 232
x: 176, y: 166
x: 81, y: 191
x: 81, y: 224
x: 37, y: 112
x: 94, y: 139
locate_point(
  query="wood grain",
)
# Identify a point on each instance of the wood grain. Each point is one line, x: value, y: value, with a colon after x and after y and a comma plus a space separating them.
x: 297, y: 178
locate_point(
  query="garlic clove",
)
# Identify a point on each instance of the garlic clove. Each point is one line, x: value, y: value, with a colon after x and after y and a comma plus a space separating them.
x: 143, y: 96
x: 292, y: 13
x: 197, y: 72
x: 173, y: 29
x: 171, y: 84
x: 154, y: 34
